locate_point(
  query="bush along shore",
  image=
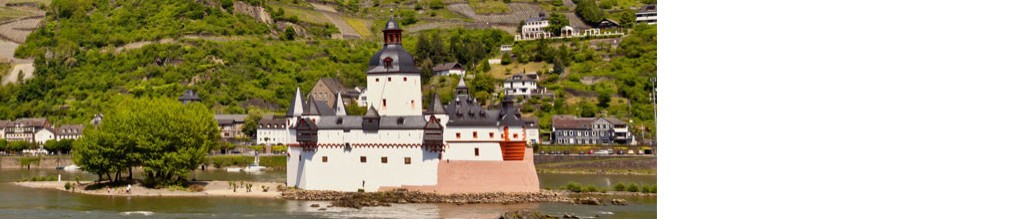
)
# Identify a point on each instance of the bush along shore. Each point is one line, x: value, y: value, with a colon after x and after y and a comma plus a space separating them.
x: 370, y: 199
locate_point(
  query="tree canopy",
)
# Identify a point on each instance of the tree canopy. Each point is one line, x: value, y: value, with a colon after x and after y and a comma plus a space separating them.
x: 167, y: 138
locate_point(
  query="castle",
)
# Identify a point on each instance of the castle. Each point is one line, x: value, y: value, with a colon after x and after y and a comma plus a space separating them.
x: 459, y: 147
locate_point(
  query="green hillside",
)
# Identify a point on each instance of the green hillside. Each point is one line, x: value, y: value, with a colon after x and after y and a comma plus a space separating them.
x: 89, y: 51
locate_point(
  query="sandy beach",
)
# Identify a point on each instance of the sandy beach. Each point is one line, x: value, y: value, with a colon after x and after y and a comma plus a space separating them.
x: 212, y: 189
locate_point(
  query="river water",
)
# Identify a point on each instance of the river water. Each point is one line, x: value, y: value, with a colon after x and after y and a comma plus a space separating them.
x: 20, y: 202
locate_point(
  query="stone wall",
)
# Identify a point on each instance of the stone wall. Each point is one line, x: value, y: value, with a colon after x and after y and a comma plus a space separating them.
x: 46, y: 162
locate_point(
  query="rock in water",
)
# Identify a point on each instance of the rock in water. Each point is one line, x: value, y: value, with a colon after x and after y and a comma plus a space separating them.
x: 618, y: 201
x: 588, y: 201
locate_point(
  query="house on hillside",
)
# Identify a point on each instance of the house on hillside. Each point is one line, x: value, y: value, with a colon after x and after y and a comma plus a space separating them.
x: 607, y: 23
x: 522, y: 85
x: 534, y: 28
x: 68, y: 132
x: 32, y: 130
x: 230, y: 125
x: 646, y: 15
x: 189, y: 96
x: 573, y: 130
x: 449, y: 68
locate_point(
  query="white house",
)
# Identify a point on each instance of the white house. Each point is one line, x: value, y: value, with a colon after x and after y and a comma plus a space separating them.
x: 521, y: 85
x: 68, y: 132
x: 534, y: 28
x: 395, y: 145
x: 450, y: 68
x: 646, y: 15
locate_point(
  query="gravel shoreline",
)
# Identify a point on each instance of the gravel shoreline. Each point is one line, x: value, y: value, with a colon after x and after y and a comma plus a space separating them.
x: 211, y: 189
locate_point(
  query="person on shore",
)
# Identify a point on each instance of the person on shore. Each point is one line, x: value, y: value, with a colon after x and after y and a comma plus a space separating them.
x: 108, y: 190
x: 129, y: 189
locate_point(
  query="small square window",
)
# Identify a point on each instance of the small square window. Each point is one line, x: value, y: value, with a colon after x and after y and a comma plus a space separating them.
x: 407, y: 160
x: 385, y: 160
x: 458, y: 135
x: 492, y: 135
x: 325, y: 159
x: 364, y: 159
x: 515, y: 135
x: 389, y: 79
x: 476, y: 152
x: 376, y: 80
x: 405, y: 78
x: 475, y: 134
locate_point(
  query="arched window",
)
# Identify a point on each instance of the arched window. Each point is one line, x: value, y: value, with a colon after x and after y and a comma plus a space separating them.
x: 388, y: 62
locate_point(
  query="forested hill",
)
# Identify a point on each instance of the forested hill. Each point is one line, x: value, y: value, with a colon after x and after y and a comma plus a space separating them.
x: 234, y: 62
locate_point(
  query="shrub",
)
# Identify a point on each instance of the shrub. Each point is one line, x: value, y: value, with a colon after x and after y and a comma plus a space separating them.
x: 619, y: 187
x: 633, y: 187
x: 646, y: 189
x: 67, y: 186
x: 573, y: 187
x: 654, y: 189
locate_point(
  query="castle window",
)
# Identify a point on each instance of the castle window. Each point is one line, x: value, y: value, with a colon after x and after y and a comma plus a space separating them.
x: 475, y: 134
x: 515, y: 135
x: 458, y: 135
x: 407, y: 160
x: 376, y: 80
x: 476, y: 152
x: 385, y: 160
x: 384, y: 102
x: 400, y: 121
x: 388, y: 62
x: 491, y: 135
x: 364, y: 159
x: 325, y: 159
x: 405, y: 78
x: 389, y: 79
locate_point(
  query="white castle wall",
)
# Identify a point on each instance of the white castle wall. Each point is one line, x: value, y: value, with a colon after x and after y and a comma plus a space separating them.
x: 344, y: 171
x: 403, y: 97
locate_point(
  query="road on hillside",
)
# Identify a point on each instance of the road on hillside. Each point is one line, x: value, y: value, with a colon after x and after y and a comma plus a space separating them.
x: 338, y: 20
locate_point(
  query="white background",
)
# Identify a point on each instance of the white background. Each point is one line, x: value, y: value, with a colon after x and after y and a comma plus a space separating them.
x: 839, y: 109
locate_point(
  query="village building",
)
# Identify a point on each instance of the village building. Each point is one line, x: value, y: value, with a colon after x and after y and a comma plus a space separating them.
x: 398, y: 144
x: 573, y: 130
x: 449, y: 68
x: 68, y: 132
x: 522, y: 85
x: 607, y: 23
x: 230, y: 125
x: 646, y: 15
x: 32, y: 130
x: 189, y: 96
x: 534, y: 28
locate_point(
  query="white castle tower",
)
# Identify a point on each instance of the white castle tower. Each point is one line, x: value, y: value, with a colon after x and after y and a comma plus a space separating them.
x: 394, y: 82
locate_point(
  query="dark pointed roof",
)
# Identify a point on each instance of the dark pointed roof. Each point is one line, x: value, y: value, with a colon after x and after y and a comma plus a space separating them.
x: 392, y: 24
x: 189, y: 95
x: 402, y: 62
x: 295, y: 103
x: 437, y: 105
x: 372, y: 113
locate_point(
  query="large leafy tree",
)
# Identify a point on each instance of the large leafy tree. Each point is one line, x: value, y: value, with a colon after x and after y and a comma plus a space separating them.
x: 589, y: 11
x: 165, y: 137
x: 251, y: 123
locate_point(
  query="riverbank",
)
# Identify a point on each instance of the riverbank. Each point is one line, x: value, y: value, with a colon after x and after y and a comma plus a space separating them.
x: 589, y: 164
x: 370, y: 199
x: 208, y: 189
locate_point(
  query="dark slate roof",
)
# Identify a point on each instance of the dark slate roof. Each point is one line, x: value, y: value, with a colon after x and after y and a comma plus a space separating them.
x: 403, y: 62
x: 5, y: 123
x: 229, y: 119
x: 508, y: 114
x: 392, y: 25
x: 519, y: 78
x: 189, y: 95
x: 372, y: 113
x: 333, y: 84
x: 647, y: 9
x: 615, y: 121
x: 385, y: 122
x: 318, y: 107
x: 69, y: 130
x: 279, y: 123
x: 447, y: 66
x: 31, y: 122
x: 571, y: 122
x: 465, y: 111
